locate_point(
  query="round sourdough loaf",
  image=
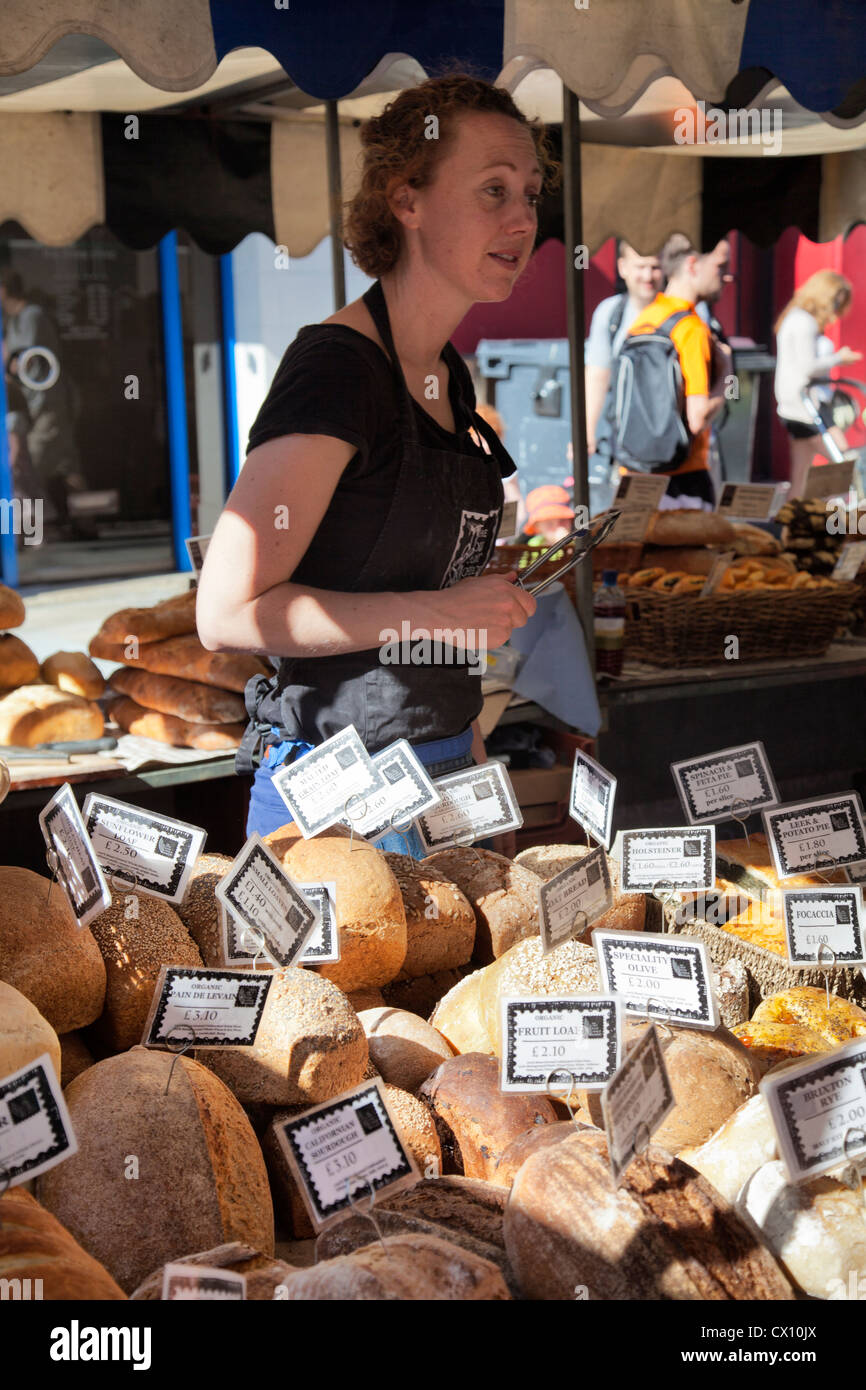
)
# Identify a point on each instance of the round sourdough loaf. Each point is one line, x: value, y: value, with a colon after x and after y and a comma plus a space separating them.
x: 627, y: 912
x: 137, y: 935
x: 815, y: 1229
x: 310, y: 1045
x: 521, y: 1148
x: 199, y: 1177
x: 18, y: 665
x: 475, y: 1119
x: 75, y: 1057
x: 411, y: 1267
x: 24, y: 1033
x: 402, y: 1046
x: 371, y: 919
x: 200, y: 909
x: 662, y: 1233
x: 35, y: 1247
x: 263, y: 1273
x: 45, y: 954
x: 11, y: 607
x: 440, y: 922
x: 503, y: 895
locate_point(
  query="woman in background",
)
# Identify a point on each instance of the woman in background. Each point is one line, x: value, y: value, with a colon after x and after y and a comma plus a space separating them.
x: 801, y: 357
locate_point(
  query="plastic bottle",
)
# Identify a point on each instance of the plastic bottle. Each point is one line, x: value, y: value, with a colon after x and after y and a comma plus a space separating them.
x: 609, y: 624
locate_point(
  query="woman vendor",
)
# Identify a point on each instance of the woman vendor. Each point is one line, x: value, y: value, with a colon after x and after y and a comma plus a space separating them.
x: 372, y: 491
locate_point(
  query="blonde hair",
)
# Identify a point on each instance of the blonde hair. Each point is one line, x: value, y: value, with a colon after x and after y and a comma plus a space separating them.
x: 826, y: 295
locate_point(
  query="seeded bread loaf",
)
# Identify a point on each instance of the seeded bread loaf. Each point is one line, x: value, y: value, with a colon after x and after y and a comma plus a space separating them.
x: 417, y: 1130
x: 198, y: 1178
x: 11, y: 607
x: 24, y: 1033
x: 310, y: 1045
x: 43, y: 714
x: 440, y: 922
x: 191, y: 701
x: 75, y: 673
x: 18, y: 665
x: 403, y: 1047
x: 135, y: 945
x: 55, y: 963
x: 38, y: 1251
x: 200, y: 909
x: 503, y: 895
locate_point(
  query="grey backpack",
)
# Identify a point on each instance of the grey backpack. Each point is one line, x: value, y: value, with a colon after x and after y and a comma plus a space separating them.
x: 649, y: 433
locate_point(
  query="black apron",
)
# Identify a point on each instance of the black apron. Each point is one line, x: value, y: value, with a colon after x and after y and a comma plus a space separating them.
x: 441, y: 527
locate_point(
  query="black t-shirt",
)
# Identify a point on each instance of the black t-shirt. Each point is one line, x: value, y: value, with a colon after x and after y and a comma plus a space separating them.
x: 335, y: 381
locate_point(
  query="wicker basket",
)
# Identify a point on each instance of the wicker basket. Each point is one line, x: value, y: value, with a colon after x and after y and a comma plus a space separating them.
x: 687, y: 630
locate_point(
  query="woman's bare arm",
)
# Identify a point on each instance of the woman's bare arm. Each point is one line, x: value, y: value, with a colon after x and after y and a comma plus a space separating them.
x: 246, y: 600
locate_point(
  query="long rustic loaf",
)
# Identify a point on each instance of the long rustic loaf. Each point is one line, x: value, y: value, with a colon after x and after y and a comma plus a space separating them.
x: 158, y: 1175
x: 38, y: 1251
x: 263, y: 1273
x: 412, y: 1267
x: 688, y: 526
x: 191, y: 701
x: 166, y: 728
x: 136, y: 935
x: 184, y: 656
x: 43, y: 714
x: 171, y: 618
x: 55, y: 963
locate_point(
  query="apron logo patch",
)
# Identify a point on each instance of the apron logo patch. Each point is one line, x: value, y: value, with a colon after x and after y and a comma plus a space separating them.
x: 474, y: 545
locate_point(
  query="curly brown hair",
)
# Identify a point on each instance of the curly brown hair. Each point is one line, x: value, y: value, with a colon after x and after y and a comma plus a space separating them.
x: 396, y: 150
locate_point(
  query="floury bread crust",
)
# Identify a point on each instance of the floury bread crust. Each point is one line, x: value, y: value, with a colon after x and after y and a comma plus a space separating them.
x: 45, y: 954
x: 201, y: 1176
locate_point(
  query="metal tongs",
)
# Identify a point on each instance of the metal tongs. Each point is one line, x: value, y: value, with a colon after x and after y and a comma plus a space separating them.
x: 593, y: 535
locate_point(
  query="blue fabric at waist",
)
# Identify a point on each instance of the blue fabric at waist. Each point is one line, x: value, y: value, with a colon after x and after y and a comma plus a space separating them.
x: 437, y: 750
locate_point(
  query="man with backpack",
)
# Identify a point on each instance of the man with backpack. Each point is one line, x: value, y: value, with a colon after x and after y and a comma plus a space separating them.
x: 613, y: 317
x: 668, y: 386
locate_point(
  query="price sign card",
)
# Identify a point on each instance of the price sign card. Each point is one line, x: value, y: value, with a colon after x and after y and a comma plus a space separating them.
x: 329, y: 782
x: 641, y: 490
x: 196, y: 1282
x: 348, y: 1148
x: 856, y: 873
x: 78, y: 870
x: 679, y: 857
x: 573, y: 899
x: 714, y: 578
x: 805, y: 836
x: 576, y: 1036
x: 258, y: 894
x: 658, y: 974
x: 814, y: 1105
x: 592, y: 795
x: 206, y: 1007
x: 850, y: 562
x: 829, y: 917
x: 406, y: 792
x: 476, y: 802
x: 196, y: 549
x: 711, y: 787
x: 149, y: 851
x: 631, y: 527
x: 829, y: 479
x: 35, y: 1128
x: 508, y: 524
x: 636, y: 1100
x: 747, y: 501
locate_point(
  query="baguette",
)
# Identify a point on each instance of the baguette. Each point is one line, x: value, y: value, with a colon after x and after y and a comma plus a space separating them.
x: 689, y: 527
x: 193, y: 701
x: 171, y: 618
x: 186, y: 657
x: 167, y: 728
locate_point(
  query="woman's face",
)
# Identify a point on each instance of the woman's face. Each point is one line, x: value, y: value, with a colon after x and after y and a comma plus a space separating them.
x: 474, y: 225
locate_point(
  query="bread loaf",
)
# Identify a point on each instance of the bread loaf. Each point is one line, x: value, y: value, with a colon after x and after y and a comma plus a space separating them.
x: 55, y: 963
x: 371, y: 919
x: 815, y: 1229
x: 475, y: 1120
x: 170, y: 618
x: 739, y: 1147
x: 24, y: 1033
x: 752, y: 540
x: 627, y: 911
x: 770, y: 1043
x: 503, y: 895
x: 412, y: 1267
x: 512, y: 1159
x: 38, y: 1251
x: 417, y: 1129
x: 403, y: 1047
x: 18, y: 665
x: 178, y: 733
x: 200, y: 1180
x: 440, y: 922
x: 191, y: 701
x: 310, y: 1045
x: 263, y: 1273
x: 421, y: 994
x: 662, y: 1233
x: 135, y: 944
x: 688, y: 559
x: 43, y: 714
x: 807, y: 1006
x: 75, y: 1057
x: 366, y: 998
x: 200, y: 909
x: 75, y: 673
x: 689, y: 527
x: 186, y: 657
x: 11, y: 607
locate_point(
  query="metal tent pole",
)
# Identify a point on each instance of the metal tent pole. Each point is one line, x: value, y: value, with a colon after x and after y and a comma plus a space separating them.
x: 335, y: 197
x: 574, y: 298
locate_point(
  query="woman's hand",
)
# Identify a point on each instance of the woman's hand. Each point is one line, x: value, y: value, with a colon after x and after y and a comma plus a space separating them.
x: 489, y: 604
x: 846, y: 354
